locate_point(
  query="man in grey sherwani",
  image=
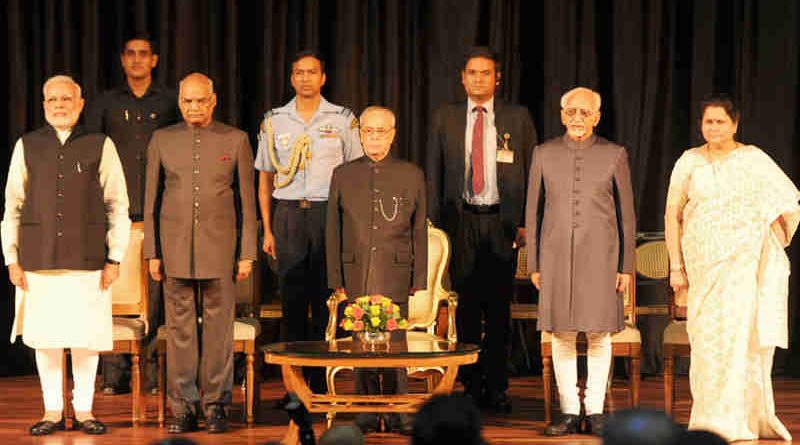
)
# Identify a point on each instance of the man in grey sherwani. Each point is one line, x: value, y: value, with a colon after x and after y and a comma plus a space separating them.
x: 197, y: 170
x: 581, y: 227
x: 377, y: 241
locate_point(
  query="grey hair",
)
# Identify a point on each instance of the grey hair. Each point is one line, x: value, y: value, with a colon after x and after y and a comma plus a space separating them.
x: 595, y: 95
x: 196, y: 74
x: 61, y: 78
x: 375, y: 109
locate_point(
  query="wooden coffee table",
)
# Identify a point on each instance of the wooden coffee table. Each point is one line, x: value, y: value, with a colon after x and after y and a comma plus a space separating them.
x: 293, y: 356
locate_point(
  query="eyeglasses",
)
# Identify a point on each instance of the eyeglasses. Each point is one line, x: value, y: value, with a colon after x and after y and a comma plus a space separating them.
x: 571, y: 112
x: 377, y: 131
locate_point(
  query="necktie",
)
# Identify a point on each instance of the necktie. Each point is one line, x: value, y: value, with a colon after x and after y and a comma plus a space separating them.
x: 477, y: 152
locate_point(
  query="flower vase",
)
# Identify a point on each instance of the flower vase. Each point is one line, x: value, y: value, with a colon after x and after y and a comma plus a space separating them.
x: 374, y: 340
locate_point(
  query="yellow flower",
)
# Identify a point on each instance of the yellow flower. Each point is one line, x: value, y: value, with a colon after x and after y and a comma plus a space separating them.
x: 375, y: 321
x: 374, y: 309
x: 396, y: 309
x: 362, y: 299
x: 348, y: 325
x: 386, y: 302
x: 348, y: 311
x: 402, y: 324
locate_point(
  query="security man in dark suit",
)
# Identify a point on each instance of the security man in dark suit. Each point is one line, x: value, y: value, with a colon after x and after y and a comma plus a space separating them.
x: 377, y: 241
x: 129, y: 114
x: 478, y: 156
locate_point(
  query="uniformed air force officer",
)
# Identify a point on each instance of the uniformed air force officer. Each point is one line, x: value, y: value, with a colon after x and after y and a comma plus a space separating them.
x: 581, y: 228
x: 377, y: 241
x: 197, y: 170
x: 299, y: 146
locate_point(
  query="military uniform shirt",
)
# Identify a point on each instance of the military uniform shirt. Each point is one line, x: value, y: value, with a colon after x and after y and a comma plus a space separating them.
x: 334, y: 140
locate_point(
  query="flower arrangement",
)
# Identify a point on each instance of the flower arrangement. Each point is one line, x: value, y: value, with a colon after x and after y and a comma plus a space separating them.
x: 372, y: 314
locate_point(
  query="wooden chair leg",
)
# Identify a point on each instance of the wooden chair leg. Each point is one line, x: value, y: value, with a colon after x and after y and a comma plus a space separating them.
x: 162, y: 377
x: 610, y: 407
x: 669, y: 380
x: 64, y: 393
x: 636, y: 377
x: 136, y: 385
x: 250, y: 388
x: 547, y: 376
x: 258, y: 360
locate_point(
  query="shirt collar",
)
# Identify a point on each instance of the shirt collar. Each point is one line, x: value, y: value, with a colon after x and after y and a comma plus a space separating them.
x: 386, y: 160
x: 586, y: 143
x: 152, y: 89
x: 324, y: 107
x: 488, y: 105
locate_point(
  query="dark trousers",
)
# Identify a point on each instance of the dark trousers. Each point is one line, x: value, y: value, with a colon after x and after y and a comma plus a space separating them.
x: 384, y: 380
x: 302, y: 275
x: 117, y: 367
x: 482, y: 272
x: 207, y: 354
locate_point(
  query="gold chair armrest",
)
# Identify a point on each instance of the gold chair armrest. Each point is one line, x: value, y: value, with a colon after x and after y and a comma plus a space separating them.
x: 452, y: 305
x: 333, y: 314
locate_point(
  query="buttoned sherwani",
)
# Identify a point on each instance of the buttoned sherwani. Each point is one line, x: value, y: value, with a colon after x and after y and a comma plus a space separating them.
x: 200, y: 220
x: 377, y: 242
x: 376, y: 234
x: 581, y: 232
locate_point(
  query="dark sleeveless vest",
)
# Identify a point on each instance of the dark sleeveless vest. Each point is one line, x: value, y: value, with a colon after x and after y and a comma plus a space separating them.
x: 63, y: 223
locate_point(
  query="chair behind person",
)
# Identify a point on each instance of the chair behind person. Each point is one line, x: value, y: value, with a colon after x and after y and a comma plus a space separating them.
x: 129, y: 322
x: 676, y: 344
x: 246, y: 330
x: 626, y: 343
x: 423, y: 310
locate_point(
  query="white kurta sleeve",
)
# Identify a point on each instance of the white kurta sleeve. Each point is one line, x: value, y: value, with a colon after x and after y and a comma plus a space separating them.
x: 15, y: 198
x: 115, y: 197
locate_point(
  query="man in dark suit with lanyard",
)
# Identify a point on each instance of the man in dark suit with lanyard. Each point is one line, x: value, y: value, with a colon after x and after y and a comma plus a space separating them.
x: 478, y: 156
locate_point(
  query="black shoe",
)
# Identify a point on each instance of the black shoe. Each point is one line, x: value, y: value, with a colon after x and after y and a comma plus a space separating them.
x: 368, y: 422
x: 216, y: 419
x: 115, y: 390
x: 596, y: 424
x: 567, y: 424
x: 185, y: 423
x: 399, y: 423
x: 45, y: 427
x: 500, y: 403
x: 91, y: 426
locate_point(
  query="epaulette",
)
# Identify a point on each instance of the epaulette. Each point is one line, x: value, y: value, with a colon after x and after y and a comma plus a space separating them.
x: 347, y: 113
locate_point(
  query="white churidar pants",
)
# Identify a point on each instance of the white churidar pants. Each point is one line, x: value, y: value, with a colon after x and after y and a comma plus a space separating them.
x: 84, y: 371
x: 565, y: 365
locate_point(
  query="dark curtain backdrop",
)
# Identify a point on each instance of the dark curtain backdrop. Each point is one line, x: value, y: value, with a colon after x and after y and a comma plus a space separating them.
x: 652, y: 61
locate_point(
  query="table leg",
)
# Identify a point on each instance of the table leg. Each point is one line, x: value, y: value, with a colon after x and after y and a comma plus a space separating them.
x: 447, y: 382
x: 294, y: 382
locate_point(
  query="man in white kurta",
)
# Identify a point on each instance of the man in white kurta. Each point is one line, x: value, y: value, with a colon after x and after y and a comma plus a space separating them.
x: 64, y: 231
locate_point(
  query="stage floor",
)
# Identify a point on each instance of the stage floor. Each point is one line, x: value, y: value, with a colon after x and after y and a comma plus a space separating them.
x: 21, y: 406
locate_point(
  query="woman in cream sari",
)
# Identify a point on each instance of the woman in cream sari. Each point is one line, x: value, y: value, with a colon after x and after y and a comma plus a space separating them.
x: 730, y: 212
